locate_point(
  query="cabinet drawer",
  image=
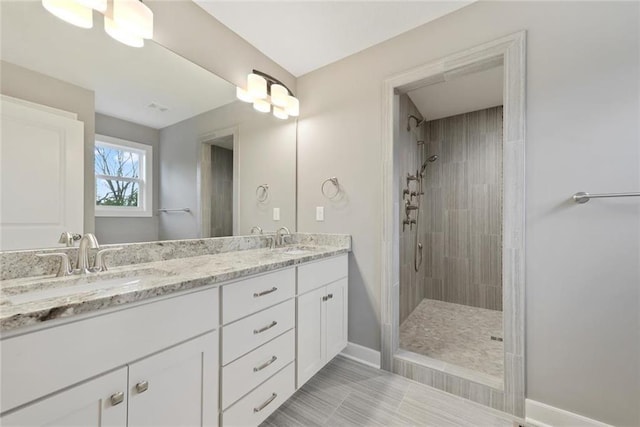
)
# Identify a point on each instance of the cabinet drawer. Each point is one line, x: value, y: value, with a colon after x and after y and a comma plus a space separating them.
x: 316, y: 274
x: 243, y: 298
x: 241, y: 337
x: 241, y: 376
x: 255, y: 407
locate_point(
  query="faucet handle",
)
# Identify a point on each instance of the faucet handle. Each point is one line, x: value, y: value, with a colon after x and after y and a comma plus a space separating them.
x: 99, y: 263
x: 65, y: 264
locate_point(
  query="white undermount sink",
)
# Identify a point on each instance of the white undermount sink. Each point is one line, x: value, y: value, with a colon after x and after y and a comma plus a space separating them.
x: 294, y: 250
x: 66, y: 287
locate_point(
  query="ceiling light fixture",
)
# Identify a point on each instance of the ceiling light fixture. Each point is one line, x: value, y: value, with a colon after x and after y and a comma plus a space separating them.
x: 264, y: 91
x: 127, y: 21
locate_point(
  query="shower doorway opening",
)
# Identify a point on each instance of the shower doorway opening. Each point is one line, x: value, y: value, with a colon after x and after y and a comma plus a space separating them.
x: 453, y: 202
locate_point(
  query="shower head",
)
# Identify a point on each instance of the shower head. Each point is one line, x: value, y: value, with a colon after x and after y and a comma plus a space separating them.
x: 419, y: 122
x: 430, y: 159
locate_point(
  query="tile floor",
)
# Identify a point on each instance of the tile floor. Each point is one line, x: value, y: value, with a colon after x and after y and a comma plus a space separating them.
x: 456, y: 334
x: 347, y: 393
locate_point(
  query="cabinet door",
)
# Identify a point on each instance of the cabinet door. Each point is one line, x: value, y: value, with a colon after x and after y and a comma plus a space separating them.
x: 85, y: 405
x: 310, y: 330
x: 336, y: 318
x: 176, y: 387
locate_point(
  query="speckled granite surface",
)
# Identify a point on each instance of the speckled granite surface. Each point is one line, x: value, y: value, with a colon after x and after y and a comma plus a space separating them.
x: 151, y: 279
x: 16, y: 264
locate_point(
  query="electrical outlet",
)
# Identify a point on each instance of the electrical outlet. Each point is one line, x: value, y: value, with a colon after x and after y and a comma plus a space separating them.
x: 276, y: 214
x: 320, y: 213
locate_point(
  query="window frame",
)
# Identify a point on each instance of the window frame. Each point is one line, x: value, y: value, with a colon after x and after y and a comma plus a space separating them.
x: 145, y: 182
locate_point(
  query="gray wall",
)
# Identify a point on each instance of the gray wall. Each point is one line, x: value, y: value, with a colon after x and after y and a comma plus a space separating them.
x: 185, y: 28
x: 267, y: 154
x: 222, y: 192
x: 22, y: 83
x: 582, y: 275
x: 462, y: 208
x: 130, y: 229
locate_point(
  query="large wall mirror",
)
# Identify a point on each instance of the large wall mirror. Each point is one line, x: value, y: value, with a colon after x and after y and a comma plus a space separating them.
x: 133, y: 144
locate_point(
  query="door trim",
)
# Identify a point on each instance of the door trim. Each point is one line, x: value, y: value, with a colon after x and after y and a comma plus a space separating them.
x: 509, y: 51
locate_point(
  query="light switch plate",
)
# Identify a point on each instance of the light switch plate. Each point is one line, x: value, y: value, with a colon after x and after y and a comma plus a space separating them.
x: 276, y: 214
x: 320, y: 213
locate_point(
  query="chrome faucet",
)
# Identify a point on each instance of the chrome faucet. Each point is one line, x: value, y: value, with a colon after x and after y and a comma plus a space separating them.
x: 255, y: 228
x: 280, y: 237
x: 88, y: 241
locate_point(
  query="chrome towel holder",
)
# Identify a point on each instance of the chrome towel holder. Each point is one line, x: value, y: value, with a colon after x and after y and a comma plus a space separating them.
x: 582, y: 197
x: 333, y: 180
x: 262, y: 192
x: 187, y: 210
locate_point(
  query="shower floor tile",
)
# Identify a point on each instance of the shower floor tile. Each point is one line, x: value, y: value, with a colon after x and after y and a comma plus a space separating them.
x: 455, y: 334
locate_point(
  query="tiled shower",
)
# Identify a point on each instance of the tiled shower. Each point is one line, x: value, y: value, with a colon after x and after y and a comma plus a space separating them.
x: 460, y: 229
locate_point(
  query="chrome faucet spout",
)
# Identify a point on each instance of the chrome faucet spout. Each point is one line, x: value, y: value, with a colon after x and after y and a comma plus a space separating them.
x: 88, y: 241
x: 281, y: 234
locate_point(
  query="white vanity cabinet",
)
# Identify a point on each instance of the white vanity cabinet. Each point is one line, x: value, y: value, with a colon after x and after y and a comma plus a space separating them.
x: 258, y: 347
x: 321, y: 315
x: 99, y: 402
x: 151, y: 364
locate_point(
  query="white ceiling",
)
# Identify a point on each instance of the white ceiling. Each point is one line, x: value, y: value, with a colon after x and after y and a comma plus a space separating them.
x: 304, y: 36
x: 126, y: 80
x: 472, y: 92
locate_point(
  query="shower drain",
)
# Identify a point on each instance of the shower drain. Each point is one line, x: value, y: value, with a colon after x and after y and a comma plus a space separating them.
x: 496, y: 338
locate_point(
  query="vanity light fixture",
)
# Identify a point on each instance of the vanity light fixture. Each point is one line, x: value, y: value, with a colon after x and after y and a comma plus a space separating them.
x: 127, y: 21
x: 264, y: 91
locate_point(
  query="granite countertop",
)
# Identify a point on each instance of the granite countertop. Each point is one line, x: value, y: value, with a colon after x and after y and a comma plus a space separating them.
x: 138, y: 282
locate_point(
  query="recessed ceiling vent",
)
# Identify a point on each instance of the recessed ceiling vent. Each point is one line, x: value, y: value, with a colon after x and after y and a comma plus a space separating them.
x: 159, y: 107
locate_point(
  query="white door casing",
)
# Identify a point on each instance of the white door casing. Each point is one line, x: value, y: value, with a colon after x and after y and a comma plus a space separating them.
x: 41, y: 174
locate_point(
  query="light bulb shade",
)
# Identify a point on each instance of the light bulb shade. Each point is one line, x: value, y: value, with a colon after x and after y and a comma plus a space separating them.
x: 293, y: 106
x: 71, y: 11
x: 262, y: 105
x: 257, y: 86
x: 280, y: 113
x: 279, y: 95
x: 243, y: 95
x: 133, y: 17
x: 112, y: 28
x: 99, y: 5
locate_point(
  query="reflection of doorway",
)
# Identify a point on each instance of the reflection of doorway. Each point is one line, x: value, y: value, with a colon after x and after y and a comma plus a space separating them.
x: 218, y: 182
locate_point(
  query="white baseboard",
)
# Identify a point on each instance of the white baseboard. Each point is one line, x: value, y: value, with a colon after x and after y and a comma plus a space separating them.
x: 542, y: 415
x: 362, y: 354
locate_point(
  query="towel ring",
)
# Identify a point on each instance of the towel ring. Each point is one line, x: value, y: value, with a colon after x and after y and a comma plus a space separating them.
x: 262, y: 192
x: 333, y: 180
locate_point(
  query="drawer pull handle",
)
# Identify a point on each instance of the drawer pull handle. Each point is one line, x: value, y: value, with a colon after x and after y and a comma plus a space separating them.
x: 142, y: 386
x: 266, y: 328
x: 263, y: 293
x: 266, y: 403
x: 265, y: 364
x: 117, y: 398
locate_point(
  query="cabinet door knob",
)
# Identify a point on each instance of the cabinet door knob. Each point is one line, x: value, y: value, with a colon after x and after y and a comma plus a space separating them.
x: 142, y: 386
x: 117, y: 398
x: 325, y: 298
x: 329, y: 296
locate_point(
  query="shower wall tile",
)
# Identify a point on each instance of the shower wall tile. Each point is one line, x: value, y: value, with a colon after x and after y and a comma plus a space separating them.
x: 462, y: 209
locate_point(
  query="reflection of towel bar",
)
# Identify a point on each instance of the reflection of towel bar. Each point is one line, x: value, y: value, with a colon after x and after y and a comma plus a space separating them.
x: 585, y: 197
x: 175, y: 210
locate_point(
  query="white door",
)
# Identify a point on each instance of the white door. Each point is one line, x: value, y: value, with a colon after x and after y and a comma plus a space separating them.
x: 336, y: 318
x: 311, y: 331
x: 100, y: 402
x: 41, y: 175
x: 176, y: 387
